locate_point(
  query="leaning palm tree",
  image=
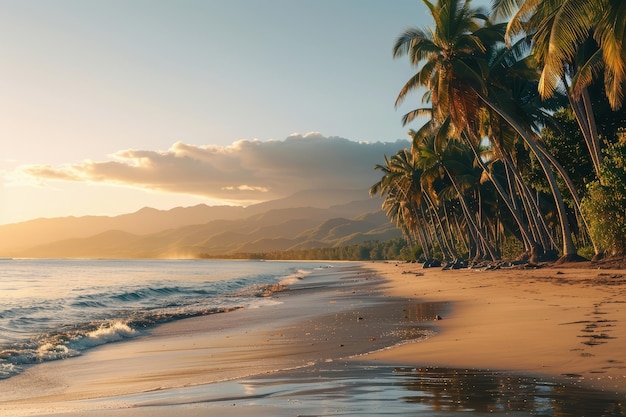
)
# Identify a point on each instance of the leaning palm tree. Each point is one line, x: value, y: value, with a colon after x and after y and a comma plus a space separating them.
x: 562, y: 28
x: 447, y: 158
x: 403, y: 200
x: 452, y: 66
x: 577, y: 42
x: 411, y: 200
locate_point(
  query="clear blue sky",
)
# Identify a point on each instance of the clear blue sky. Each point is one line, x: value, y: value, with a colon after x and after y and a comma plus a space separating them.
x: 82, y: 82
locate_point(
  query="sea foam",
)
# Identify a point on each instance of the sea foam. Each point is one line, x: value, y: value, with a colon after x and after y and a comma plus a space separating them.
x: 294, y: 278
x: 57, y: 309
x: 106, y: 333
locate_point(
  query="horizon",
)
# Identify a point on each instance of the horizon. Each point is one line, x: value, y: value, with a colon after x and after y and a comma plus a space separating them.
x: 169, y: 110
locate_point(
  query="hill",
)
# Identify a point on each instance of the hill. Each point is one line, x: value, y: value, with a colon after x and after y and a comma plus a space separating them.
x: 312, y: 218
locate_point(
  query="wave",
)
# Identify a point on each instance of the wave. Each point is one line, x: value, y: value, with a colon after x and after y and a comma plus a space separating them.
x: 294, y: 278
x: 65, y: 325
x: 138, y: 295
x: 73, y: 341
x: 61, y: 345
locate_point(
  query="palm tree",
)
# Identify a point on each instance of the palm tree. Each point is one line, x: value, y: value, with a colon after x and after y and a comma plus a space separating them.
x: 454, y: 68
x: 562, y: 28
x: 577, y: 42
x: 445, y: 54
x: 512, y: 84
x: 442, y: 157
x: 403, y: 200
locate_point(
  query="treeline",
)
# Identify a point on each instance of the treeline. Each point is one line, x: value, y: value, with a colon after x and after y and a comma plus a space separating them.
x: 395, y: 249
x: 523, y: 135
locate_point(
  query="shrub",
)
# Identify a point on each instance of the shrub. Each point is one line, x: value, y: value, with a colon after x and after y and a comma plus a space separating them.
x: 605, y: 203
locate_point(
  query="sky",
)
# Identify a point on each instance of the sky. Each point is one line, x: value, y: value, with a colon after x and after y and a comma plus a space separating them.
x: 110, y: 106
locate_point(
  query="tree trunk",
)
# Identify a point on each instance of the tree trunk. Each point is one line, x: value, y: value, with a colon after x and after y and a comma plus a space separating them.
x: 569, y: 249
x: 523, y: 227
x: 573, y: 192
x: 586, y: 121
x: 469, y: 217
x: 448, y: 252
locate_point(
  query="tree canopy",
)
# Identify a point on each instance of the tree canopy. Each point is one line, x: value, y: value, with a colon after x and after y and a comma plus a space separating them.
x: 519, y: 144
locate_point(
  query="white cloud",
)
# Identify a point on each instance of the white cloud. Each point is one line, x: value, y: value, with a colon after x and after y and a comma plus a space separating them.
x: 245, y: 171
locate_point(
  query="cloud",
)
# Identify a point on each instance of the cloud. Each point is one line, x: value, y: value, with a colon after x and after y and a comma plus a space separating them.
x: 246, y: 171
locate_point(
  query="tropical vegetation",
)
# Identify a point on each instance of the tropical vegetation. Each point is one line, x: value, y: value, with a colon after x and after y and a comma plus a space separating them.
x: 523, y: 131
x: 393, y: 249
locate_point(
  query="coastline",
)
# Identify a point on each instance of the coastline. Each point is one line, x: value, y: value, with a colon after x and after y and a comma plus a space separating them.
x: 328, y: 316
x: 373, y: 322
x: 568, y: 324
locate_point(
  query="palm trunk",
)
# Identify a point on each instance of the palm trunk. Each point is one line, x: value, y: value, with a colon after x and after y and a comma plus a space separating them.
x: 569, y: 249
x: 533, y: 212
x: 573, y: 192
x: 468, y: 216
x: 587, y: 123
x: 523, y: 227
x: 466, y: 241
x: 428, y: 235
x: 448, y: 251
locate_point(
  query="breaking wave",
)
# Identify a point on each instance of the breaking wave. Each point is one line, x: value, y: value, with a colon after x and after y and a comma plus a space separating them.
x: 114, y: 305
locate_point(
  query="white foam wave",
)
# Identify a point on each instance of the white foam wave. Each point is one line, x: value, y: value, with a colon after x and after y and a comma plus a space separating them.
x: 51, y: 351
x: 106, y: 333
x: 262, y: 302
x: 294, y: 278
x: 8, y: 370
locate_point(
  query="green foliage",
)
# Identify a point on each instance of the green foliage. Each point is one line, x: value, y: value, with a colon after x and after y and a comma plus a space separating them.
x: 567, y: 145
x: 395, y: 249
x: 586, y: 252
x: 605, y: 203
x: 509, y: 199
x: 511, y: 247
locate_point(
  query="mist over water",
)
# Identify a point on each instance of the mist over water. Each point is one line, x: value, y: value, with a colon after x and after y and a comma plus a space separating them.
x: 53, y: 309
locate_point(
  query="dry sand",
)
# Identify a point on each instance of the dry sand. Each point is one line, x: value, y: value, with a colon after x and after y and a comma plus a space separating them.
x: 560, y: 322
x: 567, y: 324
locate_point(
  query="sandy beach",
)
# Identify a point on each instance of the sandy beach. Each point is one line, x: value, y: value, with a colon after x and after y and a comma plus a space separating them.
x: 346, y: 333
x: 558, y: 322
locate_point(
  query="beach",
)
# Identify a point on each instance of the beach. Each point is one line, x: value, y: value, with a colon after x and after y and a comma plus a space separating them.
x: 566, y: 323
x: 358, y: 338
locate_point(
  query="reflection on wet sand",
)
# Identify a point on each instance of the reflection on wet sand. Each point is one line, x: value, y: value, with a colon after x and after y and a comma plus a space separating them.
x: 366, y: 390
x: 492, y: 392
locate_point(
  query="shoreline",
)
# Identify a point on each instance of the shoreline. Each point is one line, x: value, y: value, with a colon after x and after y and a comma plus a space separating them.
x: 568, y: 324
x: 372, y: 322
x: 328, y: 316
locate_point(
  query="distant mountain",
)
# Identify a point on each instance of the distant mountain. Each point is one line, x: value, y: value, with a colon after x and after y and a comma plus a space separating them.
x: 313, y: 218
x: 17, y: 237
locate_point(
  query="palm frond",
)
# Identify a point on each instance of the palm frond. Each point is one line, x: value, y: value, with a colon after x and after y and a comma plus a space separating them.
x: 413, y: 114
x: 586, y: 73
x: 504, y: 8
x: 405, y: 42
x: 610, y: 34
x: 412, y: 84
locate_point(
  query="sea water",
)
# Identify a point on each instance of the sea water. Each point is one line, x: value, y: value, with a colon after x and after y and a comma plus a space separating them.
x: 55, y: 308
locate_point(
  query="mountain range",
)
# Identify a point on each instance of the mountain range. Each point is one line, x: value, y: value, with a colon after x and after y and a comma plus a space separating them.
x: 307, y: 219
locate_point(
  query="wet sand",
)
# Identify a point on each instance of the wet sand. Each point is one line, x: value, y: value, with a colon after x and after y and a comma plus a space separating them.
x: 563, y: 323
x: 331, y: 315
x: 311, y: 353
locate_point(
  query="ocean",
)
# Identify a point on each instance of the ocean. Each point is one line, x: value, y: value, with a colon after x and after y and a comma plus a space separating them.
x: 57, y: 308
